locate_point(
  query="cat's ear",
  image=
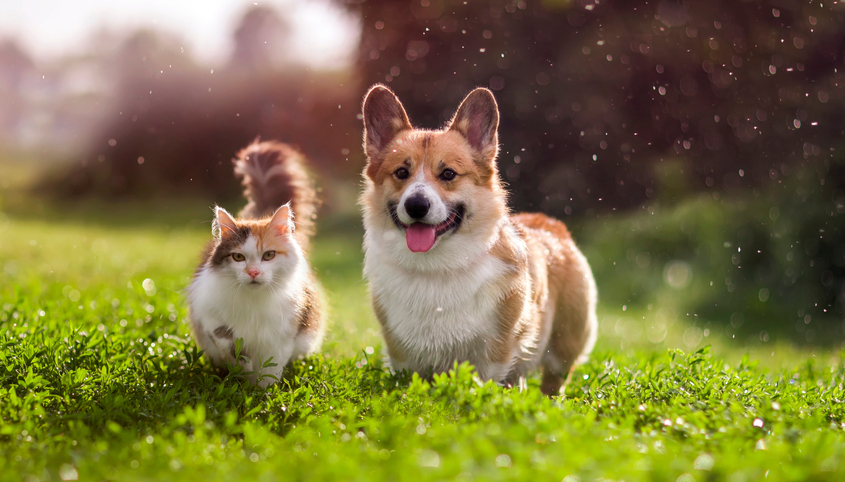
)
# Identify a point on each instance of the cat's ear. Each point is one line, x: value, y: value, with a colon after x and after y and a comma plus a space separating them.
x: 384, y: 118
x: 224, y: 225
x: 477, y: 120
x: 282, y: 221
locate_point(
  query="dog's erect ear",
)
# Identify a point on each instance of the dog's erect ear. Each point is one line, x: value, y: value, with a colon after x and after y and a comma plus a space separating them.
x: 477, y: 120
x: 384, y: 117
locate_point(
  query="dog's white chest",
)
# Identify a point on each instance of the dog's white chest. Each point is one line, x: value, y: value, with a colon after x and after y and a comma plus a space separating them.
x: 439, y: 317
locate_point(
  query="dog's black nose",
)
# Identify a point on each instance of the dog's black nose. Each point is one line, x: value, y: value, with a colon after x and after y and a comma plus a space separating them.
x: 417, y: 206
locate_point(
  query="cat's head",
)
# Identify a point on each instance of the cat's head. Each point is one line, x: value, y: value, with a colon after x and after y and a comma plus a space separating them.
x: 258, y: 253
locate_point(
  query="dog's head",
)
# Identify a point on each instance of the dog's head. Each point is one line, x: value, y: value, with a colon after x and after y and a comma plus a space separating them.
x: 432, y: 185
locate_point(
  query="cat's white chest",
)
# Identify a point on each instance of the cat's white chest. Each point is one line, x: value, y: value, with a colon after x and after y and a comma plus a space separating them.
x: 262, y: 318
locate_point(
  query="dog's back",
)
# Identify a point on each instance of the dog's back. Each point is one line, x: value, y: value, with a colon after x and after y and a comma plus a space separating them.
x: 572, y: 289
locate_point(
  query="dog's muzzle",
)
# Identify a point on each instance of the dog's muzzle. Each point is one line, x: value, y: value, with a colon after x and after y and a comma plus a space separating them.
x: 417, y: 206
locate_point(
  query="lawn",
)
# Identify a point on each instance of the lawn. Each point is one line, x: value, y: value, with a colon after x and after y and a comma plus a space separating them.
x: 101, y: 381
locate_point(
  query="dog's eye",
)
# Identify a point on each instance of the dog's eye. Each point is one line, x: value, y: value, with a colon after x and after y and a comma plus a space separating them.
x: 238, y: 257
x: 401, y: 173
x: 448, y: 174
x: 268, y: 255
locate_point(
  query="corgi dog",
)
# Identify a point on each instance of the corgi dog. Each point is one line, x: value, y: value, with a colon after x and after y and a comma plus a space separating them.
x: 453, y: 276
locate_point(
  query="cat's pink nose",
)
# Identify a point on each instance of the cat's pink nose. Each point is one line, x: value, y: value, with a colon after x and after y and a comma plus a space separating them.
x: 253, y: 272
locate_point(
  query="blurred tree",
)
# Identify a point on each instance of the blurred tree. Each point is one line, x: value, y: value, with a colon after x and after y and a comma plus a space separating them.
x: 177, y: 125
x: 14, y: 65
x: 145, y: 52
x: 597, y: 96
x: 261, y: 41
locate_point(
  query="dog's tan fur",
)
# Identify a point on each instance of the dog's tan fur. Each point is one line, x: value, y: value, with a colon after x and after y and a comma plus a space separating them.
x: 534, y: 290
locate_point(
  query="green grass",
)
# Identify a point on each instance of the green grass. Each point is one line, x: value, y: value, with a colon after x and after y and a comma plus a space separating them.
x: 101, y: 381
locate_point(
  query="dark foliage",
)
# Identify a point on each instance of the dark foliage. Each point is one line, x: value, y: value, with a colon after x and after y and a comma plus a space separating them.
x: 763, y: 263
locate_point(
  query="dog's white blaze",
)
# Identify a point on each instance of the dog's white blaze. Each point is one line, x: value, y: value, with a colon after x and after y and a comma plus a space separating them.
x: 264, y: 316
x: 437, y: 211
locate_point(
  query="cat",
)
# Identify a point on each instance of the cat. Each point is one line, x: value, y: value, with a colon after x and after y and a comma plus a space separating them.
x: 254, y: 282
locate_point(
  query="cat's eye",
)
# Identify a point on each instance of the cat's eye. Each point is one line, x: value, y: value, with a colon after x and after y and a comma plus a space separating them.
x: 448, y: 175
x: 268, y: 255
x: 238, y: 257
x: 401, y: 173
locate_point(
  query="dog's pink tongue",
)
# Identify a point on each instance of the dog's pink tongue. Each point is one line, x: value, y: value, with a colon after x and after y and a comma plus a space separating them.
x: 420, y: 237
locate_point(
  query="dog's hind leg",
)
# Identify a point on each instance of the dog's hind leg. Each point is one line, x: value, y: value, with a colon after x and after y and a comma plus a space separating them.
x: 574, y: 325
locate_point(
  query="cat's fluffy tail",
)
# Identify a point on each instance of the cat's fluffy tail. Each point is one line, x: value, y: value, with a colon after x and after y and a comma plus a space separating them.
x: 273, y: 173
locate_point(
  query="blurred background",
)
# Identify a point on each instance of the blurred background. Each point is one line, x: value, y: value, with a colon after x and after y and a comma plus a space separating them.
x: 694, y: 148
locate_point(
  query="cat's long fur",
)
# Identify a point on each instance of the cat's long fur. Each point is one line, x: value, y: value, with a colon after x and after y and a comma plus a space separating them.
x: 274, y: 305
x: 273, y: 173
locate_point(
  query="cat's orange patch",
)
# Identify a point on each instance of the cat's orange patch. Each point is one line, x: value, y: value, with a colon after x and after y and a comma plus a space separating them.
x: 269, y: 236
